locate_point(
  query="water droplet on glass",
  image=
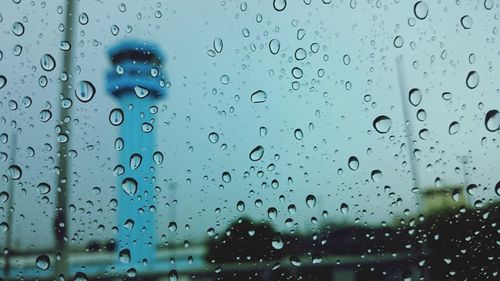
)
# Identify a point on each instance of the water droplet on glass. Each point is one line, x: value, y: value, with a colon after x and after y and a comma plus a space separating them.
x: 64, y: 46
x: 129, y: 185
x: 382, y: 124
x: 158, y: 157
x: 420, y: 9
x: 135, y: 161
x: 4, y: 196
x: 279, y: 5
x: 256, y: 153
x: 172, y: 226
x: 85, y: 91
x: 415, y: 96
x: 258, y: 96
x: 488, y: 4
x: 299, y: 135
x: 18, y: 29
x: 226, y: 177
x: 310, y: 201
x: 466, y: 22
x: 300, y: 54
x: 398, y: 41
x: 263, y: 131
x: 147, y: 127
x: 43, y: 262
x: 213, y: 137
x: 141, y: 92
x: 224, y: 79
x: 472, y: 79
x: 446, y: 96
x: 376, y: 175
x: 124, y: 256
x: 14, y: 172
x: 3, y: 81
x: 272, y: 213
x: 492, y: 120
x: 116, y: 117
x: 218, y: 44
x: 344, y: 208
x: 353, y: 163
x: 83, y: 18
x: 47, y: 62
x: 453, y: 128
x: 45, y: 115
x: 172, y: 275
x: 43, y: 188
x: 240, y: 206
x: 295, y: 261
x: 274, y: 46
x: 277, y: 242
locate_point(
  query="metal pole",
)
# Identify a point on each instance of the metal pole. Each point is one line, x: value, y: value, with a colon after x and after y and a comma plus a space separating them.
x: 10, y: 211
x: 60, y: 220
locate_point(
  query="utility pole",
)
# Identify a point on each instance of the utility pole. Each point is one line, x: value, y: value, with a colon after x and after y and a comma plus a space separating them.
x: 64, y: 139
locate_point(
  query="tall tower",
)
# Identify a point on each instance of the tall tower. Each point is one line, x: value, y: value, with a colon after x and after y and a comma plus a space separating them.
x: 136, y: 81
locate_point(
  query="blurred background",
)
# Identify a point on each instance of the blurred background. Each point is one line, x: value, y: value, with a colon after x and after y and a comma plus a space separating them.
x: 249, y: 140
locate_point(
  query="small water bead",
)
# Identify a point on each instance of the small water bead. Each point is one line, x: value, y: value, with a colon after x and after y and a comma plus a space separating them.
x: 47, y: 62
x: 311, y: 201
x: 116, y: 117
x: 492, y: 120
x: 124, y: 256
x: 85, y: 91
x: 353, y: 163
x: 398, y: 42
x: 344, y: 208
x: 298, y: 134
x: 466, y: 22
x: 472, y: 80
x: 453, y: 128
x: 382, y: 124
x: 83, y: 18
x: 3, y: 81
x: 141, y: 92
x: 272, y: 213
x: 43, y: 81
x: 172, y: 226
x: 213, y: 137
x: 158, y: 157
x: 277, y: 242
x: 14, y: 172
x: 297, y: 73
x: 218, y: 44
x: 274, y: 46
x: 43, y: 262
x: 226, y: 177
x: 421, y: 10
x: 129, y: 186
x: 279, y: 5
x: 300, y: 54
x: 135, y: 161
x: 446, y: 96
x: 258, y: 97
x: 415, y: 96
x: 376, y: 175
x: 224, y: 79
x: 147, y: 127
x: 256, y: 153
x: 43, y: 188
x: 45, y: 115
x: 240, y: 206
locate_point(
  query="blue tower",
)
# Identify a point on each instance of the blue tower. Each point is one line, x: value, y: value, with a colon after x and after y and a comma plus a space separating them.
x: 137, y: 81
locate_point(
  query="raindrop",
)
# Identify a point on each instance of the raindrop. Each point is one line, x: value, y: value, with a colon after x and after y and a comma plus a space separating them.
x: 277, y: 242
x: 226, y: 177
x: 346, y: 59
x: 129, y: 185
x: 398, y: 41
x: 376, y: 175
x: 47, y: 62
x: 18, y: 29
x: 218, y: 44
x: 83, y: 19
x: 43, y: 262
x: 43, y: 188
x: 453, y: 128
x: 420, y: 9
x: 124, y: 256
x: 146, y: 127
x: 471, y: 189
x: 492, y: 120
x: 45, y: 115
x: 344, y: 208
x: 224, y: 79
x: 119, y: 144
x: 272, y: 213
x: 300, y: 54
x: 382, y: 124
x: 240, y: 206
x: 3, y: 81
x: 353, y: 163
x: 85, y: 92
x: 415, y: 96
x: 295, y: 261
x: 172, y: 275
x: 213, y: 137
x: 279, y: 5
x: 299, y: 135
x: 116, y: 117
x: 466, y: 22
x: 135, y: 161
x: 446, y: 96
x: 4, y: 196
x: 263, y: 131
x: 172, y: 226
x: 274, y: 46
x: 14, y: 172
x: 488, y: 4
x: 256, y: 153
x: 141, y: 92
x: 310, y: 201
x: 43, y: 81
x: 297, y: 73
x: 472, y: 80
x: 158, y: 157
x: 258, y: 96
x: 64, y: 46
x: 115, y: 29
